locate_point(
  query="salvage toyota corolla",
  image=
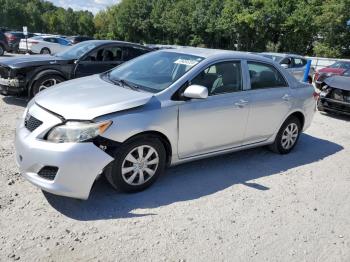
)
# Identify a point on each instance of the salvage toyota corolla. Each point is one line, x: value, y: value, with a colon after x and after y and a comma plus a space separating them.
x: 160, y: 109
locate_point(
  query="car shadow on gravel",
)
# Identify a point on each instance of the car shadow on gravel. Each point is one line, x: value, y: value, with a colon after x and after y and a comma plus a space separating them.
x: 194, y: 180
x: 16, y: 101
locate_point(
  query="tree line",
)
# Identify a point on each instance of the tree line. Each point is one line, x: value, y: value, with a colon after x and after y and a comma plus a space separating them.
x: 308, y: 27
x: 44, y: 17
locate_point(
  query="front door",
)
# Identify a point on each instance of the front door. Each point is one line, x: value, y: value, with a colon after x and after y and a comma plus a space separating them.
x: 218, y: 122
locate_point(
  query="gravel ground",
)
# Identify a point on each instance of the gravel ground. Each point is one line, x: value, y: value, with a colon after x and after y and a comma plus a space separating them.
x: 247, y: 206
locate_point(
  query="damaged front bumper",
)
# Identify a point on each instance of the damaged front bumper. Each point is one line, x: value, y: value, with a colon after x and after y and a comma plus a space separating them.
x: 67, y: 169
x: 11, y: 86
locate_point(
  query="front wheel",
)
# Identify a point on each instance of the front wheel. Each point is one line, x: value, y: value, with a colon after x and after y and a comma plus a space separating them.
x: 137, y: 164
x: 45, y: 82
x: 287, y: 136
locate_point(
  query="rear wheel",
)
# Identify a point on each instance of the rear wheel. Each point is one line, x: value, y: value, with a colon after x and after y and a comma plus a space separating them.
x: 45, y: 82
x: 287, y: 136
x: 45, y: 51
x: 137, y: 164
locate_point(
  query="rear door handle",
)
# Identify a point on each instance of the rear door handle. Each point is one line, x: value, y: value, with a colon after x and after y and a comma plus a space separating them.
x: 286, y: 97
x: 241, y: 103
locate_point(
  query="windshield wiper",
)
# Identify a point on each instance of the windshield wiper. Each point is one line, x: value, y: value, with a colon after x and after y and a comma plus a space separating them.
x: 123, y: 83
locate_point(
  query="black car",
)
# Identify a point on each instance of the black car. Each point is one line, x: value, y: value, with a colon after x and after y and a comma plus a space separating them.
x: 78, y: 39
x: 13, y: 39
x: 3, y: 44
x: 29, y: 75
x: 335, y: 95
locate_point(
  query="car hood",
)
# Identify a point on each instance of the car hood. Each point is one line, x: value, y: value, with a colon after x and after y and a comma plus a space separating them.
x: 89, y: 97
x: 31, y: 60
x: 332, y: 70
x: 339, y: 82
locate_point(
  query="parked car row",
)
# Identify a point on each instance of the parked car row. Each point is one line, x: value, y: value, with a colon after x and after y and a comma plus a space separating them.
x: 15, y: 42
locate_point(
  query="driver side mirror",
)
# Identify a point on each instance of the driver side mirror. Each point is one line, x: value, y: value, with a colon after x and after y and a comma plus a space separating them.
x: 196, y: 92
x: 285, y: 66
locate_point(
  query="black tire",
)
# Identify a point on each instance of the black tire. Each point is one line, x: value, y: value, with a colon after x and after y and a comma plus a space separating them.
x: 45, y: 51
x: 114, y: 174
x: 2, y: 50
x: 45, y: 81
x: 278, y: 146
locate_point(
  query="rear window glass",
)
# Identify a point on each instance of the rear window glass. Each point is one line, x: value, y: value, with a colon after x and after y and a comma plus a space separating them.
x: 265, y: 76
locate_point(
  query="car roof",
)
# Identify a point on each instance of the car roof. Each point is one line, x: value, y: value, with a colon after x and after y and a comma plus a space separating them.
x: 117, y: 42
x: 213, y: 53
x: 281, y: 54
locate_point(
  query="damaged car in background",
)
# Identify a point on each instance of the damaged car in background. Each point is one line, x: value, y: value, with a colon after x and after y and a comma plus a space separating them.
x: 335, y: 95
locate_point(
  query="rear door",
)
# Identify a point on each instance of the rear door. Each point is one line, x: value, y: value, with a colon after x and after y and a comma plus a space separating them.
x: 270, y: 101
x: 100, y: 60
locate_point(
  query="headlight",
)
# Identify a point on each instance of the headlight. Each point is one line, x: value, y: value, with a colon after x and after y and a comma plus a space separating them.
x: 75, y: 131
x: 325, y: 91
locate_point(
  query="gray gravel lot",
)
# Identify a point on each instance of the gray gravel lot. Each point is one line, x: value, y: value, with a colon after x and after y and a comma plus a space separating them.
x: 247, y: 206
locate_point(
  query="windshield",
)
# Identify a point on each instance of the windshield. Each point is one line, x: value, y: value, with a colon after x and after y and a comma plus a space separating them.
x: 78, y: 50
x: 275, y: 58
x: 154, y: 71
x: 344, y: 65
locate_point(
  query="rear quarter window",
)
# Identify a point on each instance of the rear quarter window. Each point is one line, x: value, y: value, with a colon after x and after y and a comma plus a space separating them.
x: 264, y: 76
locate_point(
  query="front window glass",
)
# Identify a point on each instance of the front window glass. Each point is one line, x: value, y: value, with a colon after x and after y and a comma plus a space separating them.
x: 155, y: 71
x: 106, y: 54
x: 265, y: 76
x: 78, y: 50
x: 225, y: 77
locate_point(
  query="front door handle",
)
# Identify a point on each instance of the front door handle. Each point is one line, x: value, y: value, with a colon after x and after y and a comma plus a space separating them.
x: 241, y: 103
x: 286, y: 97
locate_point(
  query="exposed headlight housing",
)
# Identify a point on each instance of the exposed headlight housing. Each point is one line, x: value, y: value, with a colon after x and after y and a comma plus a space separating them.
x: 77, y: 131
x: 325, y: 91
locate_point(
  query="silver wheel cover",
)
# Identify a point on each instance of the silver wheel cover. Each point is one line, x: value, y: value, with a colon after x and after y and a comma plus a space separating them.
x: 48, y: 83
x: 290, y: 136
x: 140, y: 165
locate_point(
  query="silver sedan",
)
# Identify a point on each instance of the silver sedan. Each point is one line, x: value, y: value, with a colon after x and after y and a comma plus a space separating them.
x: 163, y: 108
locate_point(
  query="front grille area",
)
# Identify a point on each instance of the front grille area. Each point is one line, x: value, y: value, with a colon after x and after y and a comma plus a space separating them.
x: 31, y: 123
x: 48, y: 172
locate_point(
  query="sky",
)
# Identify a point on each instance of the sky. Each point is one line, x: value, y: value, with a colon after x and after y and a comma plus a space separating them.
x: 91, y: 5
